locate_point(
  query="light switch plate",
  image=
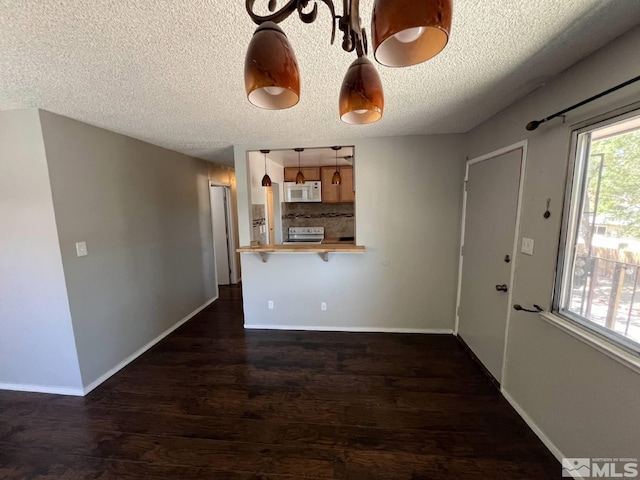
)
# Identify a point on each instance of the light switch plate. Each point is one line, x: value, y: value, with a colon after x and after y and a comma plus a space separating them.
x: 81, y: 249
x: 527, y: 246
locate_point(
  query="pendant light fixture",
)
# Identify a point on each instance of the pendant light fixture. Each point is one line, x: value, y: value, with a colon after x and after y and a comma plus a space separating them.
x: 336, y: 179
x: 361, y: 97
x: 405, y: 32
x: 271, y: 76
x: 266, y: 180
x: 299, y: 176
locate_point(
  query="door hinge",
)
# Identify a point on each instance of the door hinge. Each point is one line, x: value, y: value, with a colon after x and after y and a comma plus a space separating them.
x: 465, y: 185
x: 462, y: 251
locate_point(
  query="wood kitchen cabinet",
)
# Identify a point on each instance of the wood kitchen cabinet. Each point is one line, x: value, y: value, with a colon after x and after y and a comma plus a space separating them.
x: 347, y: 193
x: 342, y: 193
x: 311, y: 174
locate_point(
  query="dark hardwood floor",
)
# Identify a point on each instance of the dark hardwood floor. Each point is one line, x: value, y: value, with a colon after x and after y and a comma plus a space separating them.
x: 212, y: 401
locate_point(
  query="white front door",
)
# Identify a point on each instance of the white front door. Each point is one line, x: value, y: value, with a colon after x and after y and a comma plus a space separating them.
x: 490, y: 224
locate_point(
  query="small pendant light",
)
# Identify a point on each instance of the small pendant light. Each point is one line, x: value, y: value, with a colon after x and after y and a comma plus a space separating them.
x: 299, y: 176
x: 266, y: 180
x: 336, y: 179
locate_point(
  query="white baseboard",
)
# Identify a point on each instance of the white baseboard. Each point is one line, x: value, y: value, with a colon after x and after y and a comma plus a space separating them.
x: 139, y: 352
x: 537, y: 430
x: 329, y: 328
x: 19, y: 387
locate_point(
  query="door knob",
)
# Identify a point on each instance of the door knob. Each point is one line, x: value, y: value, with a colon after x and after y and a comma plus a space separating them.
x: 502, y: 288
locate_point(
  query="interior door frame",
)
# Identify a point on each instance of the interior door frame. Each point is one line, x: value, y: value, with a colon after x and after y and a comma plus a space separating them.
x: 514, y: 255
x: 231, y: 245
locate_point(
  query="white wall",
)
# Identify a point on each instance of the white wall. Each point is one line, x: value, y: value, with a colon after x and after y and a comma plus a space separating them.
x: 144, y: 212
x: 585, y: 403
x: 408, y: 203
x: 37, y: 349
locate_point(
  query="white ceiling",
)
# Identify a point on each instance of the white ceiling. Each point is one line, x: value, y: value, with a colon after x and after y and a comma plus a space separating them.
x: 171, y: 72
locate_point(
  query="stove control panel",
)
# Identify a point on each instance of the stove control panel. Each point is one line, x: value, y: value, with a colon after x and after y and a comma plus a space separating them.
x: 306, y: 230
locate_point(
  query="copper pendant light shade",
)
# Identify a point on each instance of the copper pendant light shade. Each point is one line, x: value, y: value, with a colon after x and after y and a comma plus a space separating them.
x: 271, y: 75
x: 408, y: 32
x: 361, y: 96
x: 266, y: 180
x: 299, y: 176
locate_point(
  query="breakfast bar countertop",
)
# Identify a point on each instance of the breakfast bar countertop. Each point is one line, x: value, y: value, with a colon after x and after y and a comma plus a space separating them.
x: 323, y: 249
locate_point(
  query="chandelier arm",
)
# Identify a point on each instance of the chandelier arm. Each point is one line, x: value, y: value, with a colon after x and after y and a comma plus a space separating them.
x: 354, y: 36
x: 289, y: 8
x: 353, y: 13
x: 362, y: 44
x: 292, y: 6
x: 308, y: 17
x: 334, y: 18
x: 276, y: 17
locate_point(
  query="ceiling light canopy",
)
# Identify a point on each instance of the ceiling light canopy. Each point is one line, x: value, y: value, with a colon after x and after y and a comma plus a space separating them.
x: 405, y: 32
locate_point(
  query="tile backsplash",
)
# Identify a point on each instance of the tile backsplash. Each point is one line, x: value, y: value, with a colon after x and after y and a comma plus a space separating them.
x: 338, y: 219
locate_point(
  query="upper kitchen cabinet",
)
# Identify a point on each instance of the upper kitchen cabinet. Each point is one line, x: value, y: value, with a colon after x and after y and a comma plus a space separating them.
x: 347, y: 192
x: 342, y: 193
x: 311, y: 174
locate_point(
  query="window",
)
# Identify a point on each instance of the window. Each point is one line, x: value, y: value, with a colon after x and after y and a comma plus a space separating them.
x: 600, y: 260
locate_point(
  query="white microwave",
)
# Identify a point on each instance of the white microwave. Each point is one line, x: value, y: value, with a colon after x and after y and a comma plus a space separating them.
x: 302, y: 192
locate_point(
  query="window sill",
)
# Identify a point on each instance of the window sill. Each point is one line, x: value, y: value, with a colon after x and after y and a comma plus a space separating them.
x: 612, y: 351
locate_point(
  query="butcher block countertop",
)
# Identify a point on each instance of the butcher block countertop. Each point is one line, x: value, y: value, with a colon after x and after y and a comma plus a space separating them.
x: 323, y: 249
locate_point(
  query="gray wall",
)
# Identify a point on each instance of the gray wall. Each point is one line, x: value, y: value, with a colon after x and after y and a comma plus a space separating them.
x: 145, y: 215
x: 37, y: 349
x: 583, y: 401
x: 408, y: 201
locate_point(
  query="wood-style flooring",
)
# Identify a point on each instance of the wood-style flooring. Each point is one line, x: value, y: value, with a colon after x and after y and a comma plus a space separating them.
x: 212, y: 401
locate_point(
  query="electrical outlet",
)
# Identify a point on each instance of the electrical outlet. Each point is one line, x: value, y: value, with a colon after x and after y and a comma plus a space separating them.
x: 323, y: 306
x: 270, y: 304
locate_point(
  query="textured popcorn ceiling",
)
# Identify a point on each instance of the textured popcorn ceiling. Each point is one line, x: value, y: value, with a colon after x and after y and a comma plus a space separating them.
x: 171, y: 72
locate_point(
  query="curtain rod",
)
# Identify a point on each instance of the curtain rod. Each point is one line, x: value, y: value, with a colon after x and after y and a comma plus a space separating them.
x: 536, y: 123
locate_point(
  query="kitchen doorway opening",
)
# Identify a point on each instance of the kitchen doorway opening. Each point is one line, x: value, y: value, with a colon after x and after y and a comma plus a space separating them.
x: 320, y: 210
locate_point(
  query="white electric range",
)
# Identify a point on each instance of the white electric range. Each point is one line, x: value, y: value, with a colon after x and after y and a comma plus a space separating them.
x: 302, y: 235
